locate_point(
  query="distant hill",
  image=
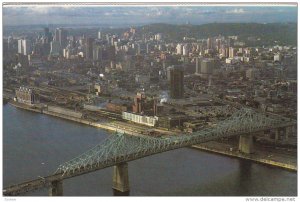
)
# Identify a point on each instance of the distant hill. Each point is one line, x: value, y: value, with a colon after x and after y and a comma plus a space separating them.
x: 285, y: 33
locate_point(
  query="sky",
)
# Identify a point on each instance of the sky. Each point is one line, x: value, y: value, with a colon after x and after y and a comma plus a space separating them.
x: 33, y: 15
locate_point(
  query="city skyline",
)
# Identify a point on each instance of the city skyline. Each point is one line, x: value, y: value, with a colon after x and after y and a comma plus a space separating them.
x: 117, y: 15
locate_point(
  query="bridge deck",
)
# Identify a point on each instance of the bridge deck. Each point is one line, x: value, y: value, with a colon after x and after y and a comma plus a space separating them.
x: 121, y: 148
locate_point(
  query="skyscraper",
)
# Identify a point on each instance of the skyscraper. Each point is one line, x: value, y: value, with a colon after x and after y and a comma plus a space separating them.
x: 97, y: 52
x: 20, y: 46
x: 55, y: 48
x: 24, y: 46
x: 61, y: 37
x: 179, y: 49
x: 209, y: 43
x: 207, y: 67
x: 232, y: 52
x: 89, y: 48
x: 27, y: 46
x: 175, y: 78
x: 99, y: 35
x: 198, y: 65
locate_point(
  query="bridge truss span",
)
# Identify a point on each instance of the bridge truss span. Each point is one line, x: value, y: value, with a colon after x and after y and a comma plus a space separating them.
x: 123, y: 148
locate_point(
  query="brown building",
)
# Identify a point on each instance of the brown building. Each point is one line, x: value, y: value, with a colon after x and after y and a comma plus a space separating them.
x: 139, y: 103
x: 89, y: 48
x: 175, y: 78
x: 117, y: 106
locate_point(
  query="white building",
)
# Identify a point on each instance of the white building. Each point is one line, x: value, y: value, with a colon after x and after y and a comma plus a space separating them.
x: 179, y: 48
x: 185, y: 50
x: 277, y: 57
x: 24, y: 46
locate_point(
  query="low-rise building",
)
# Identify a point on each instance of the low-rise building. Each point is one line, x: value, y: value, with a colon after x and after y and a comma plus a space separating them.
x: 26, y: 96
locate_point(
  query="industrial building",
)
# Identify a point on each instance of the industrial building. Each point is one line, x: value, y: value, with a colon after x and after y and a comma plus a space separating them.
x: 26, y: 96
x: 141, y: 119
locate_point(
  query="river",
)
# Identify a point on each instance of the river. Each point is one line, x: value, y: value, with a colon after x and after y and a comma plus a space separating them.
x: 36, y: 144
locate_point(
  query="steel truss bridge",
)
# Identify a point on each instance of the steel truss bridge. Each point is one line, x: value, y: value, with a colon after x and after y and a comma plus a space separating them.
x: 122, y: 148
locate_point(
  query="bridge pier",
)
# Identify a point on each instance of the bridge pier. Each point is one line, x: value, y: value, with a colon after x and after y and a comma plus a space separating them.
x: 120, y: 180
x: 246, y: 144
x: 56, y: 188
x: 277, y: 134
x: 286, y: 132
x: 282, y: 133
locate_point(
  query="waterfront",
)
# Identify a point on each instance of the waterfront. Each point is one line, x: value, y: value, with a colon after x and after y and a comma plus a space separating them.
x: 47, y: 141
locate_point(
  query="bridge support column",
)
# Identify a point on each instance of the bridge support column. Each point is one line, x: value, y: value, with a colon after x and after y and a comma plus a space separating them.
x: 120, y: 180
x: 294, y: 128
x: 246, y: 144
x: 286, y: 132
x: 277, y: 134
x: 56, y: 188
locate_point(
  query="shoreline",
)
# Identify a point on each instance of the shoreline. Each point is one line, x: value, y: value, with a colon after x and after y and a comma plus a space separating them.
x: 235, y: 154
x: 110, y: 128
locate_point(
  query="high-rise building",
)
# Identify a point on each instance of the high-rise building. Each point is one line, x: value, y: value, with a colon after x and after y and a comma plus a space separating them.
x: 230, y: 42
x: 198, y: 65
x: 89, y: 48
x: 20, y: 48
x: 61, y: 37
x: 179, y: 48
x: 56, y: 35
x: 27, y: 46
x: 207, y: 67
x: 55, y: 48
x: 232, y: 52
x: 158, y: 36
x: 99, y: 35
x: 209, y: 43
x: 218, y: 44
x: 24, y: 46
x: 175, y: 78
x: 185, y: 50
x: 97, y: 52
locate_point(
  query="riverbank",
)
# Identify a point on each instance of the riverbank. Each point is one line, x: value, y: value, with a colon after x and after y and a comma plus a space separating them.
x: 219, y: 149
x: 257, y: 156
x: 103, y: 124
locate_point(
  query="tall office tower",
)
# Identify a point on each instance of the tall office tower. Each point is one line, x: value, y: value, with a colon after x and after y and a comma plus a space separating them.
x: 230, y: 42
x: 158, y: 36
x: 209, y: 43
x: 89, y: 48
x: 232, y: 52
x: 99, y: 35
x: 207, y: 67
x: 24, y: 46
x: 97, y: 52
x: 46, y: 32
x: 56, y: 35
x: 175, y: 77
x: 179, y: 48
x: 218, y: 44
x: 198, y: 65
x: 61, y: 37
x: 47, y: 35
x: 72, y: 41
x: 138, y: 51
x: 185, y: 50
x: 55, y: 48
x: 20, y: 46
x: 27, y: 46
x: 148, y: 48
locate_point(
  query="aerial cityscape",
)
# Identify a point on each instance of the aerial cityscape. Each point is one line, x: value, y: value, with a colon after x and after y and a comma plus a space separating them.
x: 149, y: 100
